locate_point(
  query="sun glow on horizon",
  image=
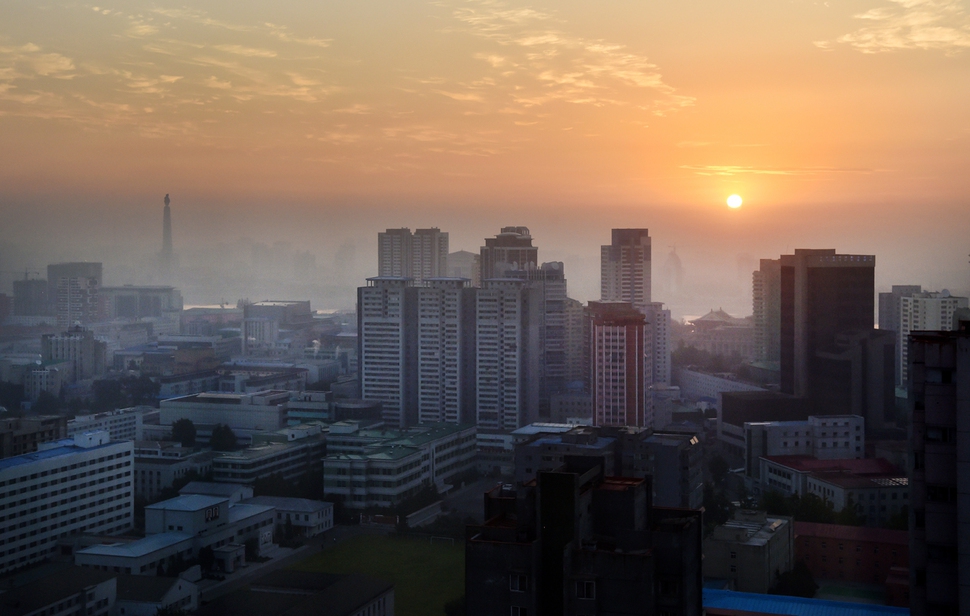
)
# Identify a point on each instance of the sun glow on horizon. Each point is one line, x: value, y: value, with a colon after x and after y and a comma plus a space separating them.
x: 734, y: 201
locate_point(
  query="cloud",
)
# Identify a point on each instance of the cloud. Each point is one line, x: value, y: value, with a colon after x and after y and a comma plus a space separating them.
x: 540, y: 63
x: 910, y: 24
x: 249, y: 52
x: 739, y: 170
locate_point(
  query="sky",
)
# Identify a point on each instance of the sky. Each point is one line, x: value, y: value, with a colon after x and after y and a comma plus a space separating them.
x: 842, y: 124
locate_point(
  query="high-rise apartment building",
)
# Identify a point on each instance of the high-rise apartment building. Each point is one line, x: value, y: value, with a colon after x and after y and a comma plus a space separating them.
x: 419, y: 256
x: 921, y: 311
x: 511, y: 249
x: 939, y: 476
x: 508, y: 319
x: 385, y: 338
x: 625, y: 268
x: 445, y: 352
x: 617, y: 358
x: 822, y: 295
x: 77, y: 345
x: 889, y: 304
x: 658, y: 343
x: 464, y: 264
x: 74, y: 291
x: 766, y: 305
x: 68, y: 487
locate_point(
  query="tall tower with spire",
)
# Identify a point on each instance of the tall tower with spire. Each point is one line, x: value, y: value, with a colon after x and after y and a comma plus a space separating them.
x: 166, y: 256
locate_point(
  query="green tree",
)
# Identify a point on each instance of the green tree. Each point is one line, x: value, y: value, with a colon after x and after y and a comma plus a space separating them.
x: 223, y: 438
x: 183, y: 431
x: 719, y: 469
x: 108, y: 395
x: 795, y: 583
x: 850, y: 516
x: 47, y: 404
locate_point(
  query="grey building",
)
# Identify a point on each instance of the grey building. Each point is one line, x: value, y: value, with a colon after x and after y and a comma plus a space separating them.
x: 750, y: 550
x: 510, y: 250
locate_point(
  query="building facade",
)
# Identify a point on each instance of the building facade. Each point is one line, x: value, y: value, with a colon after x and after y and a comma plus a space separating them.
x: 617, y: 358
x: 510, y: 250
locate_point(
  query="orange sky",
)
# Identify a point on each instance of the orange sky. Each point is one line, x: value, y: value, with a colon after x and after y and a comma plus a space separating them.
x: 567, y: 106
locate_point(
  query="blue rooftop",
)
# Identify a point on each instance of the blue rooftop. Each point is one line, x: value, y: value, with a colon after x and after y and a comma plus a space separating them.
x: 60, y: 448
x: 791, y: 606
x: 141, y: 547
x: 600, y: 443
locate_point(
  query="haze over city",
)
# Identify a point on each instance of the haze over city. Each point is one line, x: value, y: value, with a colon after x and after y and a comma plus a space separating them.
x: 840, y: 124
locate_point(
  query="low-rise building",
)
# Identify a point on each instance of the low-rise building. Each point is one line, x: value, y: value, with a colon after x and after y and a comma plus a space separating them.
x: 851, y: 553
x: 122, y: 424
x: 830, y: 437
x: 67, y: 487
x: 20, y: 435
x: 71, y: 591
x: 307, y: 518
x: 143, y: 595
x: 383, y: 467
x: 750, y: 550
x: 245, y: 414
x: 290, y: 453
x: 235, y: 492
x: 159, y: 464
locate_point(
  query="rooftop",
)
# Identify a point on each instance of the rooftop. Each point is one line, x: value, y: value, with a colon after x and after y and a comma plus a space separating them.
x: 864, y: 466
x: 304, y: 505
x: 139, y: 548
x: 717, y: 602
x: 211, y: 488
x: 851, y: 533
x: 46, y: 591
x: 146, y: 588
x: 188, y: 502
x: 65, y: 447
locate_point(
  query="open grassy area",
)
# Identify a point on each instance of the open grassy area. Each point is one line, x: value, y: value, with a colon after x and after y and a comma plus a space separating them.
x: 425, y: 575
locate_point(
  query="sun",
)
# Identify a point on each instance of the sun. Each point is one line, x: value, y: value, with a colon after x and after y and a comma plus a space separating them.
x: 734, y: 201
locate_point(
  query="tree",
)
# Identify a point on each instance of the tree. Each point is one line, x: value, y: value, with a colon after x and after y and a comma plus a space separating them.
x: 223, y: 438
x: 719, y: 469
x: 183, y: 431
x: 795, y: 583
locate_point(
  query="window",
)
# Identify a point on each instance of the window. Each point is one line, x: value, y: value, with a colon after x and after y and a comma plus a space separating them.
x: 518, y: 582
x: 734, y: 554
x: 586, y: 589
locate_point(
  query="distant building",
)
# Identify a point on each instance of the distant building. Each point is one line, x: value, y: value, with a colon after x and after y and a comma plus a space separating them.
x: 625, y: 268
x: 419, y: 256
x: 617, y: 357
x: 766, y: 304
x: 830, y: 437
x: 750, y: 550
x: 245, y: 414
x: 510, y: 250
x: 289, y: 453
x: 851, y: 553
x: 924, y: 311
x: 276, y: 327
x: 76, y: 508
x: 121, y: 424
x: 30, y: 298
x: 77, y: 345
x: 160, y: 305
x: 719, y: 333
x: 66, y: 592
x: 159, y: 464
x: 74, y: 291
x: 306, y: 518
x: 142, y: 595
x: 464, y: 264
x: 889, y: 317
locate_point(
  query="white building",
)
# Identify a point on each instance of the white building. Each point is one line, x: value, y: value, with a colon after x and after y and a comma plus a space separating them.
x: 143, y: 595
x: 67, y: 487
x: 306, y: 517
x: 244, y: 413
x: 159, y: 464
x: 829, y: 437
x: 445, y: 308
x: 289, y: 452
x: 508, y: 319
x: 926, y: 311
x: 658, y: 329
x: 384, y: 315
x: 121, y: 424
x: 419, y: 256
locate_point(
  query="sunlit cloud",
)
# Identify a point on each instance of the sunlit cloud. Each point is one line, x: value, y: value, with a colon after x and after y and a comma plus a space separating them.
x: 910, y: 24
x: 251, y: 52
x: 742, y: 170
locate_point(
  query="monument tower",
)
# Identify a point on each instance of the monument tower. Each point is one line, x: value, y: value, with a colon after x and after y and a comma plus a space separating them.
x: 166, y: 257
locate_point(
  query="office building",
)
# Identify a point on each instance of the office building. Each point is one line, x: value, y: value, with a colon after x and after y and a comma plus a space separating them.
x: 78, y: 346
x: 823, y: 294
x: 20, y: 435
x: 121, y: 424
x: 159, y: 305
x: 575, y: 541
x: 766, y: 306
x: 889, y: 304
x: 67, y: 487
x: 508, y: 322
x: 939, y: 519
x: 625, y: 268
x: 719, y: 333
x: 74, y: 291
x: 385, y: 323
x: 510, y: 250
x: 831, y: 437
x: 419, y: 256
x: 245, y: 414
x: 658, y: 343
x: 300, y: 516
x: 289, y: 453
x: 750, y: 551
x: 276, y: 327
x: 159, y: 464
x: 381, y: 468
x: 921, y: 311
x: 617, y: 358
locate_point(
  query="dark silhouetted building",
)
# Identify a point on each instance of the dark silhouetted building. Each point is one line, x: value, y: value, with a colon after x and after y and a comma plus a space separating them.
x: 511, y: 249
x: 30, y: 298
x: 575, y: 542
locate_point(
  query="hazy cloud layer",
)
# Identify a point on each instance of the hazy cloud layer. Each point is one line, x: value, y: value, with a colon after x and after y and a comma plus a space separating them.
x: 910, y: 24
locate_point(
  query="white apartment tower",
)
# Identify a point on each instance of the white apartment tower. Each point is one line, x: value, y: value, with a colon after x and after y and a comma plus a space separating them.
x: 925, y: 311
x: 507, y: 326
x: 419, y: 256
x: 445, y: 349
x: 67, y: 487
x: 386, y: 351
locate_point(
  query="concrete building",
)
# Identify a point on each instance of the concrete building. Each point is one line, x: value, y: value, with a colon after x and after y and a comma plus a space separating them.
x: 889, y: 305
x: 766, y: 305
x: 74, y: 291
x: 48, y: 376
x: 20, y: 435
x: 735, y: 408
x: 159, y: 464
x: 306, y: 518
x: 419, y: 256
x: 750, y: 550
x: 576, y: 542
x: 233, y: 491
x: 830, y: 437
x: 381, y: 468
x: 70, y: 591
x: 823, y: 294
x: 79, y: 485
x: 510, y: 250
x: 625, y: 267
x: 30, y: 298
x: 464, y: 264
x: 121, y: 424
x: 77, y: 345
x: 245, y: 414
x: 178, y: 528
x: 385, y: 324
x: 939, y: 518
x: 276, y: 328
x: 508, y: 321
x: 922, y: 311
x: 289, y: 453
x: 658, y: 339
x: 142, y: 595
x: 617, y: 357
x: 719, y: 333
x: 159, y: 305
